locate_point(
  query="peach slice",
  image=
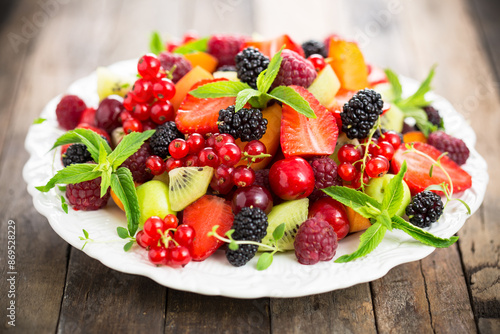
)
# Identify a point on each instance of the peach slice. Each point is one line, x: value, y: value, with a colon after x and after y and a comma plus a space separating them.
x: 183, y: 86
x: 356, y: 221
x: 202, y: 59
x: 348, y: 63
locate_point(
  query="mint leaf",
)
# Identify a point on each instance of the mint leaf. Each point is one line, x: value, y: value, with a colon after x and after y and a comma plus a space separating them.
x: 244, y: 96
x: 219, y: 89
x: 385, y: 220
x: 105, y: 182
x: 70, y: 175
x: 64, y: 205
x: 123, y: 186
x: 62, y: 188
x: 279, y: 231
x: 266, y: 77
x: 290, y: 97
x: 353, y: 199
x: 394, y: 192
x: 86, y: 234
x: 155, y: 43
x: 369, y: 240
x: 265, y: 260
x: 39, y: 120
x: 194, y: 46
x: 418, y: 98
x: 128, y: 245
x: 87, y: 137
x: 130, y: 144
x: 421, y: 235
x: 421, y: 119
x: 369, y: 211
x: 122, y: 232
x: 395, y: 84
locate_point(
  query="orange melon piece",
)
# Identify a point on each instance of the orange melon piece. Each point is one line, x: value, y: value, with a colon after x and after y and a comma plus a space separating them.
x: 356, y: 221
x: 183, y: 86
x: 202, y: 59
x: 348, y: 63
x: 271, y: 138
x: 414, y: 136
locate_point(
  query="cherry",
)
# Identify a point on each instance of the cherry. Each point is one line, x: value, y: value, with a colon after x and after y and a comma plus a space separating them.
x: 255, y: 147
x: 291, y: 178
x: 108, y: 113
x: 179, y: 256
x: 152, y: 225
x: 142, y: 90
x: 385, y: 149
x: 349, y: 153
x: 229, y: 154
x: 164, y: 89
x: 196, y: 143
x: 171, y: 221
x: 391, y: 137
x: 148, y: 66
x: 347, y: 171
x: 222, y: 181
x: 318, y: 61
x: 243, y: 176
x: 162, y: 111
x: 377, y: 167
x: 207, y: 157
x: 221, y: 139
x: 184, y: 235
x: 255, y: 196
x: 141, y: 111
x: 178, y: 148
x: 333, y: 212
x: 132, y: 125
x: 172, y: 163
x: 155, y: 164
x: 158, y: 255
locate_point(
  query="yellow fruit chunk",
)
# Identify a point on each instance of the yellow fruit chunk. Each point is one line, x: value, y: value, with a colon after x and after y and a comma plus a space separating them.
x: 356, y: 221
x: 348, y: 63
x: 183, y: 86
x: 325, y: 87
x: 202, y: 59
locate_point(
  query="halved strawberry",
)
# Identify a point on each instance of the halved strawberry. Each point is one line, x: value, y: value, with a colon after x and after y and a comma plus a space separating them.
x: 202, y: 216
x: 417, y: 176
x: 271, y: 46
x: 200, y: 115
x: 376, y: 75
x: 304, y: 136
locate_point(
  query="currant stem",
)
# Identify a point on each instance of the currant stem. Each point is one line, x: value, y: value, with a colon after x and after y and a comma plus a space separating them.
x: 365, y: 156
x: 214, y: 233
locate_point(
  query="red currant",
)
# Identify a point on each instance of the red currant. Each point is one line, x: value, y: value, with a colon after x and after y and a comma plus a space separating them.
x: 148, y: 66
x: 132, y: 125
x: 357, y: 181
x: 164, y: 89
x: 372, y: 146
x: 162, y: 111
x: 158, y: 255
x: 229, y: 154
x: 172, y: 163
x: 196, y: 143
x: 377, y: 167
x: 385, y: 149
x: 155, y: 164
x: 138, y: 238
x: 141, y: 111
x: 255, y: 147
x: 347, y: 171
x: 129, y: 102
x: 208, y: 157
x: 179, y: 256
x: 148, y: 125
x: 222, y: 181
x: 210, y: 142
x: 142, y: 90
x: 391, y: 137
x: 178, y: 148
x: 221, y: 139
x: 318, y: 61
x: 184, y: 235
x: 154, y: 227
x: 124, y: 115
x: 171, y: 221
x: 243, y: 176
x: 172, y: 45
x: 190, y: 36
x: 191, y: 160
x: 349, y: 153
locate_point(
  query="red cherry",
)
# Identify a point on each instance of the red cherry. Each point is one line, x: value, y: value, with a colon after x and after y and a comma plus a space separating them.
x: 164, y: 89
x: 190, y: 36
x: 184, y: 235
x: 162, y: 112
x: 179, y: 256
x: 132, y: 125
x: 178, y: 148
x: 158, y: 255
x: 148, y: 66
x: 356, y: 183
x: 142, y: 90
x: 196, y: 143
x: 155, y: 164
x: 318, y: 61
x: 256, y: 196
x: 129, y: 102
x: 243, y: 176
x: 148, y: 125
x: 291, y: 178
x: 210, y: 142
x: 333, y: 212
x: 124, y: 115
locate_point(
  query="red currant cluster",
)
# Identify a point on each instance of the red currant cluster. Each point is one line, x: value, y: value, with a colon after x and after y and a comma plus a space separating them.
x: 372, y: 158
x: 318, y: 61
x: 148, y: 102
x: 167, y: 242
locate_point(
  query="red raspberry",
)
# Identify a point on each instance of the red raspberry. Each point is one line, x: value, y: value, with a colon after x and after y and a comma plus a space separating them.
x: 137, y: 164
x: 262, y: 179
x: 315, y: 241
x: 86, y: 195
x: 69, y: 111
x: 456, y: 148
x: 294, y: 70
x: 168, y: 60
x: 225, y: 48
x: 325, y: 172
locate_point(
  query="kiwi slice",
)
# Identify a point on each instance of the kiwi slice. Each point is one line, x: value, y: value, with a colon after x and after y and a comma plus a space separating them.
x: 111, y: 83
x: 187, y: 184
x: 293, y: 214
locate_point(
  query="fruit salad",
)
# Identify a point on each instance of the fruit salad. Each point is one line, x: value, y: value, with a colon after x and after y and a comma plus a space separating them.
x: 256, y: 147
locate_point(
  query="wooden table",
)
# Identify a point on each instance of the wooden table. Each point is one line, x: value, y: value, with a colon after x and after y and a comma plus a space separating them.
x: 60, y: 289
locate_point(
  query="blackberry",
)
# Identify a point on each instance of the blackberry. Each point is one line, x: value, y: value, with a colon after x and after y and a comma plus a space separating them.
x: 456, y: 148
x: 162, y: 137
x: 360, y: 113
x: 76, y: 154
x: 227, y: 68
x: 249, y: 224
x: 249, y: 63
x: 314, y: 47
x: 136, y: 163
x: 425, y: 208
x: 433, y: 116
x: 246, y: 124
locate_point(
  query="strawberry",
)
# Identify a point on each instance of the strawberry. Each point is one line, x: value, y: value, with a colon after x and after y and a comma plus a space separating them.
x: 202, y: 216
x: 308, y: 136
x: 88, y: 116
x: 417, y: 176
x: 271, y: 46
x: 200, y: 115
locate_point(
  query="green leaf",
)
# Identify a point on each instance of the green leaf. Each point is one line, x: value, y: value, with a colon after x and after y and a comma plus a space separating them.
x: 418, y: 98
x: 435, y: 187
x: 385, y: 220
x: 421, y: 235
x: 369, y: 211
x: 266, y: 77
x: 155, y: 43
x: 369, y: 240
x: 198, y: 45
x: 123, y: 186
x: 87, y: 137
x: 62, y: 188
x: 244, y: 96
x: 466, y: 205
x: 279, y: 231
x: 128, y: 146
x: 395, y: 84
x: 265, y: 260
x: 128, y: 245
x: 219, y: 89
x: 39, y: 120
x: 70, y: 175
x: 290, y: 97
x: 86, y: 234
x: 64, y: 205
x: 353, y: 199
x: 102, y: 154
x: 394, y: 192
x: 122, y: 232
x: 421, y: 119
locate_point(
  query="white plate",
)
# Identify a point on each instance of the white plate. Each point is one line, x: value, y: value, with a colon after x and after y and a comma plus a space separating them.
x: 215, y: 276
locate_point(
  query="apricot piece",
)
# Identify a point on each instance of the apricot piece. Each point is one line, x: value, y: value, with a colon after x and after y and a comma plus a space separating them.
x: 348, y: 62
x: 271, y: 46
x: 117, y: 200
x: 414, y: 136
x: 183, y: 86
x: 202, y: 59
x: 356, y: 221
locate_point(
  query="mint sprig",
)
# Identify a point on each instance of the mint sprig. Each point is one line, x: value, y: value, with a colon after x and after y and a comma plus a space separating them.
x: 199, y: 45
x: 156, y: 45
x: 107, y: 168
x: 259, y: 97
x: 39, y: 120
x: 382, y: 216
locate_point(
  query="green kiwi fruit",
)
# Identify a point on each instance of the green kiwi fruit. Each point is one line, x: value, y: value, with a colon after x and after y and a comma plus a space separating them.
x: 187, y: 184
x: 293, y: 214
